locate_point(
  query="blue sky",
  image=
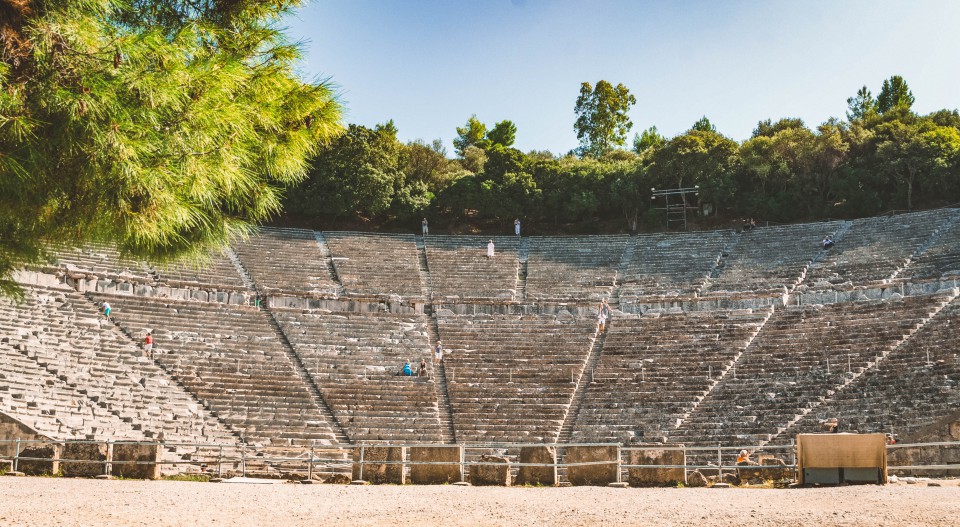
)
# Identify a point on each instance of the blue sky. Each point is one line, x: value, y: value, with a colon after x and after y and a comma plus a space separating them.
x: 429, y: 65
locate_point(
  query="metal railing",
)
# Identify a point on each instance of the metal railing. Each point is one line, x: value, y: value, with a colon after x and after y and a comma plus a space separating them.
x: 219, y: 460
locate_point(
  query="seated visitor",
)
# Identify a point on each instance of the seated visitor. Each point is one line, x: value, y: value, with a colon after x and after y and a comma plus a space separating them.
x: 827, y: 242
x: 423, y: 367
x: 831, y: 426
x: 407, y: 370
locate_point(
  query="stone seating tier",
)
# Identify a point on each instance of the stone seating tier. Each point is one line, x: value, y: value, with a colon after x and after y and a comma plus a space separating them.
x: 217, y: 271
x: 376, y: 264
x: 573, y: 268
x: 49, y: 405
x: 874, y: 249
x: 353, y: 358
x: 287, y: 261
x: 461, y: 271
x: 61, y: 332
x: 654, y: 368
x: 942, y: 258
x: 801, y: 356
x: 512, y: 378
x: 102, y: 261
x: 770, y: 258
x: 665, y: 264
x: 915, y: 386
x: 233, y: 360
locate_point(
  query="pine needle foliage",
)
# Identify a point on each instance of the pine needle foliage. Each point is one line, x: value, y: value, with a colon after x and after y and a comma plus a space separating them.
x: 168, y: 127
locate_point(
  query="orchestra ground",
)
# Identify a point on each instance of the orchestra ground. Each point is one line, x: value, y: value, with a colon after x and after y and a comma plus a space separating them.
x: 78, y: 502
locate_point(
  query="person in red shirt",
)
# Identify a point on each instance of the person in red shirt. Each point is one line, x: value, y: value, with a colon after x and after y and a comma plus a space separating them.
x: 148, y: 344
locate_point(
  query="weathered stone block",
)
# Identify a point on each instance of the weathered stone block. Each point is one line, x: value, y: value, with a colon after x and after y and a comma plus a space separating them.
x: 379, y: 472
x: 435, y: 474
x: 45, y: 459
x: 696, y: 479
x: 653, y: 477
x: 12, y: 429
x: 600, y: 474
x: 537, y: 475
x: 136, y: 461
x: 83, y: 459
x: 496, y: 472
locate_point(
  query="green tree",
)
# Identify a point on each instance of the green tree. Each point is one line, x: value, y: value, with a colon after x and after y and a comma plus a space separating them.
x: 602, y: 122
x: 359, y: 173
x: 427, y: 162
x: 768, y: 128
x: 166, y: 126
x: 698, y: 158
x: 704, y: 125
x: 649, y: 138
x: 945, y: 117
x: 473, y: 133
x: 916, y: 154
x: 474, y: 159
x: 894, y: 94
x: 630, y: 192
x: 861, y: 105
x: 503, y: 133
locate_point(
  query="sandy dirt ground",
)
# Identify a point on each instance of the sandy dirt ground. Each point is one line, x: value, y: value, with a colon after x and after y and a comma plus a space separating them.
x: 79, y: 502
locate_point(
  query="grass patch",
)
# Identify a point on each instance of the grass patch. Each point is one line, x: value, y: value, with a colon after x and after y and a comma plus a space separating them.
x: 187, y: 477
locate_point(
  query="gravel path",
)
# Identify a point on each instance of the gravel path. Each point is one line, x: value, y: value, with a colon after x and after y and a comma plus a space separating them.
x: 80, y: 502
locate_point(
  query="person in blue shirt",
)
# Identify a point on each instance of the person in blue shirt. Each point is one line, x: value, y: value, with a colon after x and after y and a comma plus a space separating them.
x: 407, y: 370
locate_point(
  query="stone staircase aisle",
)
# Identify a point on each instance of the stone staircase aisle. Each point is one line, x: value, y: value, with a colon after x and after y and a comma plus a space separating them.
x: 721, y: 262
x: 328, y: 260
x: 244, y: 275
x: 583, y: 382
x: 135, y: 341
x: 523, y: 257
x: 447, y: 431
x: 444, y: 413
x: 625, y: 260
x: 423, y: 267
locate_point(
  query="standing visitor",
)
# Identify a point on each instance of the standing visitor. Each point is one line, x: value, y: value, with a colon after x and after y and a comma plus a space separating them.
x: 516, y: 227
x: 490, y: 249
x: 148, y: 344
x: 425, y: 226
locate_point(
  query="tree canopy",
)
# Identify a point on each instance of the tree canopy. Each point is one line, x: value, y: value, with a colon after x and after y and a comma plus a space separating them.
x: 894, y: 94
x: 602, y: 122
x: 473, y: 133
x: 166, y: 126
x: 786, y: 171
